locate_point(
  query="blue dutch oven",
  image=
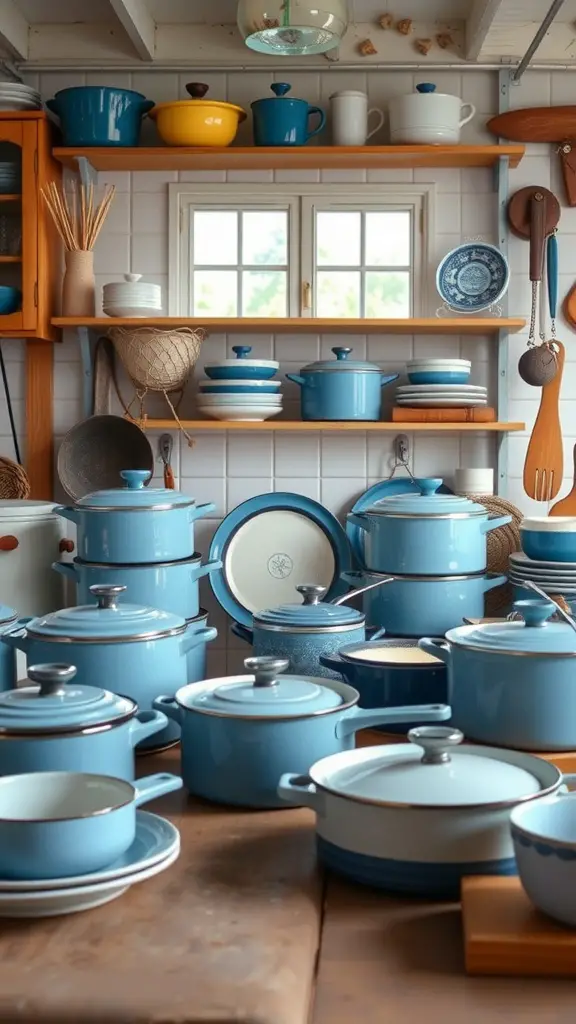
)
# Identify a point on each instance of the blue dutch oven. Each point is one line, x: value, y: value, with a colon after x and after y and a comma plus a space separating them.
x: 92, y: 115
x: 138, y: 652
x: 302, y: 633
x: 8, y: 620
x: 341, y: 388
x: 57, y: 824
x: 135, y: 523
x: 282, y: 120
x: 426, y: 534
x: 56, y: 725
x: 239, y: 734
x: 512, y: 684
x: 172, y: 586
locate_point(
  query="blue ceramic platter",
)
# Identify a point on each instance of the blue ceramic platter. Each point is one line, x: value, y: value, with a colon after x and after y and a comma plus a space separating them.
x: 472, y: 277
x: 383, y: 489
x: 271, y: 544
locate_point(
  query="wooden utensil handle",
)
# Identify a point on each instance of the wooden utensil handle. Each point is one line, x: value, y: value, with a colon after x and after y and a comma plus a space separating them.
x: 537, y: 235
x: 169, y: 482
x: 66, y: 545
x: 568, y: 164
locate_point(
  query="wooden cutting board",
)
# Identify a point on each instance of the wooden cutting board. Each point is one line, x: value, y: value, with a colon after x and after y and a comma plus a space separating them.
x: 535, y: 124
x: 406, y: 415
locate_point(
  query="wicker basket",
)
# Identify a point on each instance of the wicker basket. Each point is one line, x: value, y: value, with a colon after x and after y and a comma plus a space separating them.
x: 14, y: 482
x: 157, y: 360
x: 500, y: 545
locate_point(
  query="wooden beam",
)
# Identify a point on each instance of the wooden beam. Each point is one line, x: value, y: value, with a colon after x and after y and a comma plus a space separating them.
x: 138, y: 24
x: 14, y: 30
x: 480, y: 21
x: 39, y: 418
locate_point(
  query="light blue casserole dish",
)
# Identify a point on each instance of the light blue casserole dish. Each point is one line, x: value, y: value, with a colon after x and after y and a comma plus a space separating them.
x: 341, y: 388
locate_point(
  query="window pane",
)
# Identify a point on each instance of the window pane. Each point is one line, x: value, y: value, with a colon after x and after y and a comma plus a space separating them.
x: 265, y: 237
x: 215, y: 293
x: 338, y: 239
x: 387, y: 295
x: 388, y: 239
x: 338, y: 293
x: 215, y: 237
x: 264, y: 293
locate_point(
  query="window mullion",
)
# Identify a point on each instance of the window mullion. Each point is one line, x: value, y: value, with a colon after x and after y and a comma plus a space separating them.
x: 239, y: 275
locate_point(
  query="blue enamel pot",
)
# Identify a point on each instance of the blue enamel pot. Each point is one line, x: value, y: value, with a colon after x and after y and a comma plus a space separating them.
x: 415, y: 606
x: 8, y: 620
x: 302, y: 633
x: 512, y: 683
x: 282, y: 120
x: 391, y: 672
x: 239, y: 734
x: 549, y: 538
x: 135, y: 523
x: 341, y: 388
x: 57, y: 824
x: 93, y: 115
x: 53, y: 724
x: 138, y: 652
x: 426, y: 534
x: 172, y: 586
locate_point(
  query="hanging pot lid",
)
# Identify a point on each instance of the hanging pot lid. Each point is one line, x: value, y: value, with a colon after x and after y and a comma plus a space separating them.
x: 535, y: 635
x: 26, y: 508
x: 135, y: 495
x: 433, y: 770
x: 7, y: 615
x: 314, y: 613
x: 54, y: 703
x: 342, y: 364
x: 427, y: 503
x: 106, y: 621
x: 265, y: 694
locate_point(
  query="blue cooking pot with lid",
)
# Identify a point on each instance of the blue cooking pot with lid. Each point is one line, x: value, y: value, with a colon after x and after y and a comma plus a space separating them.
x: 92, y: 115
x: 283, y: 120
x: 341, y: 388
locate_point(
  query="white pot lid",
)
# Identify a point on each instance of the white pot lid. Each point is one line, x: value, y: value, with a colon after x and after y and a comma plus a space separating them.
x: 433, y: 770
x: 26, y: 508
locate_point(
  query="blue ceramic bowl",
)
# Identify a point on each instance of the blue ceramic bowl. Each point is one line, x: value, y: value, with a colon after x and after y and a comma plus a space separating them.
x: 93, y: 115
x: 257, y: 387
x: 544, y: 837
x: 439, y: 377
x: 10, y: 300
x: 549, y: 539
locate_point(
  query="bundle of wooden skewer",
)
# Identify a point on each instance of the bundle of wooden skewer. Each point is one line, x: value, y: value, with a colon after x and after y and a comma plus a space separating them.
x: 77, y: 217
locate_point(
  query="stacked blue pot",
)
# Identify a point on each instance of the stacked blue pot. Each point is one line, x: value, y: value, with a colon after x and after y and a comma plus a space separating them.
x: 240, y: 389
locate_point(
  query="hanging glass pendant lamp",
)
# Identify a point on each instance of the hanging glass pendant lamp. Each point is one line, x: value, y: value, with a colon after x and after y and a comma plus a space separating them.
x: 292, y: 27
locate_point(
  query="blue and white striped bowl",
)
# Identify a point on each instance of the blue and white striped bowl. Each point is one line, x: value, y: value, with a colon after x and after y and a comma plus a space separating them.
x: 240, y: 387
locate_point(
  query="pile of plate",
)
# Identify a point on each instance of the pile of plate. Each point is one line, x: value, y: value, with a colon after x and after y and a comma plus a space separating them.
x: 552, y: 577
x: 441, y: 396
x: 240, y: 389
x: 10, y: 177
x: 16, y: 96
x: 132, y: 298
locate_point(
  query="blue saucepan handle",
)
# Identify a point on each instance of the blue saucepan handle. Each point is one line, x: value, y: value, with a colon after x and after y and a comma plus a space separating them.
x: 552, y: 272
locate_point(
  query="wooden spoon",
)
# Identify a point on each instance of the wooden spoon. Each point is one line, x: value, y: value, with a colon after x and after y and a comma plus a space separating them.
x: 544, y: 466
x: 567, y: 506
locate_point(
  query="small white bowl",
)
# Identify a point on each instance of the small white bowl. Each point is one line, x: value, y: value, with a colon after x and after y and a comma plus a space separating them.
x: 254, y: 414
x: 239, y: 399
x: 145, y: 312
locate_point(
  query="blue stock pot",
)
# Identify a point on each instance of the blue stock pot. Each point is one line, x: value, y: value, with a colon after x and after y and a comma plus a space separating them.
x: 135, y: 523
x: 54, y: 724
x: 341, y: 388
x: 93, y: 115
x: 282, y: 120
x: 8, y: 620
x: 513, y: 684
x: 138, y: 652
x: 240, y: 733
x: 426, y: 534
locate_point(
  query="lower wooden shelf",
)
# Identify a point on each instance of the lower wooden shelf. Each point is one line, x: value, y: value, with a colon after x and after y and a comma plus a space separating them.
x: 316, y: 425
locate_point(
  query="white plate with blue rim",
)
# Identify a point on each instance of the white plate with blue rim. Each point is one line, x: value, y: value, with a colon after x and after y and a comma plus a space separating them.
x: 473, y: 277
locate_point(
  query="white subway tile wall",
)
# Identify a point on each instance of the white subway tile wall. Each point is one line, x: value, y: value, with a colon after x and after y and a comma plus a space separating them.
x: 334, y: 467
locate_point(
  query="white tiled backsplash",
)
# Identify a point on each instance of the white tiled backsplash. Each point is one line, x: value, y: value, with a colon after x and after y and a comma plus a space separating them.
x: 331, y: 467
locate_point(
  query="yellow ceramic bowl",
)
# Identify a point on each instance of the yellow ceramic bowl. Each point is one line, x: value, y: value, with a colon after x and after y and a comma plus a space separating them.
x: 197, y: 122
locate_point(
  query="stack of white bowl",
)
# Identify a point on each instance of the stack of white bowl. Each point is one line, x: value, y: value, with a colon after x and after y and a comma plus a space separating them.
x: 240, y: 389
x: 440, y: 383
x: 17, y: 96
x: 132, y: 298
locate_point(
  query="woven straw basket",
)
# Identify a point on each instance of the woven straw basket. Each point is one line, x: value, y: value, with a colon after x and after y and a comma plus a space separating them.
x: 500, y: 544
x: 14, y: 482
x: 157, y: 360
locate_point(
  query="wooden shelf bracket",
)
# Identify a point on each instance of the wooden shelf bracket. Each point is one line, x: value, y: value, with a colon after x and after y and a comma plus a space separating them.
x: 86, y: 172
x: 85, y: 342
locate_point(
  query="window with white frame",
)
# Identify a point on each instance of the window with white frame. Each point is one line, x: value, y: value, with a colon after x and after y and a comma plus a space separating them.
x: 253, y: 251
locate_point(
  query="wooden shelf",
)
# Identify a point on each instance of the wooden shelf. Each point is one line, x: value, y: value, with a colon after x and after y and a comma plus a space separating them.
x: 10, y: 259
x: 308, y: 325
x: 10, y: 197
x: 318, y: 425
x: 181, y: 158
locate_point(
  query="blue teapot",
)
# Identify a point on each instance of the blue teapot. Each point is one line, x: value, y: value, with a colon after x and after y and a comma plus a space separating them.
x: 282, y: 120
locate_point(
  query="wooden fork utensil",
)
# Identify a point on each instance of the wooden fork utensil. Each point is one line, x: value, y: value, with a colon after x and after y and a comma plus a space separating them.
x: 544, y: 465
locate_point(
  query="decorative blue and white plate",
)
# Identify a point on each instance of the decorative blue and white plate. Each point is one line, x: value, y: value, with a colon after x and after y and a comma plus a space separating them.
x: 473, y: 277
x: 383, y: 489
x: 271, y: 544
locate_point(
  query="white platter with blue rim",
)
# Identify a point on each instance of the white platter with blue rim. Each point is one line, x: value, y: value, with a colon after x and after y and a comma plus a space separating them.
x: 473, y: 277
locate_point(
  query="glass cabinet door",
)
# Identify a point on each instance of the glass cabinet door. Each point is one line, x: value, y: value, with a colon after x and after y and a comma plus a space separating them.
x: 18, y: 226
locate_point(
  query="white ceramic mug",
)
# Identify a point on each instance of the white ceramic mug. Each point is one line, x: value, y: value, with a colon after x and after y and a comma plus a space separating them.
x: 349, y: 117
x: 474, y: 481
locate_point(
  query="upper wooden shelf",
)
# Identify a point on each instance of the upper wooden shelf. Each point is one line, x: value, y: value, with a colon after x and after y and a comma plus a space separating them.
x: 229, y: 158
x: 307, y: 325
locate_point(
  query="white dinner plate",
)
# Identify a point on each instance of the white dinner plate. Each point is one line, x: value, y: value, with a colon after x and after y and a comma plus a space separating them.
x: 472, y: 389
x: 442, y: 403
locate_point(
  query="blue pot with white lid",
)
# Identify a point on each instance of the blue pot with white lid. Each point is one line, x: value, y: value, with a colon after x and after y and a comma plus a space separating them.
x: 8, y: 619
x: 426, y: 534
x: 134, y: 523
x: 512, y: 683
x: 240, y: 732
x: 53, y: 723
x: 341, y: 388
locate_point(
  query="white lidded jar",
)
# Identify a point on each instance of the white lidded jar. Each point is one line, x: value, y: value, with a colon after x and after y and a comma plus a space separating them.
x: 32, y: 536
x: 427, y: 117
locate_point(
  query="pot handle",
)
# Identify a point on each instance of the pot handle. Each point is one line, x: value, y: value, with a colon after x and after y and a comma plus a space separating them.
x: 169, y: 706
x: 359, y: 519
x: 321, y: 125
x: 362, y: 590
x: 197, y: 511
x: 332, y: 661
x: 294, y: 377
x: 378, y: 634
x: 65, y: 569
x: 8, y: 542
x: 381, y: 119
x: 438, y: 648
x: 147, y: 106
x: 16, y: 638
x: 387, y: 378
x: 493, y: 579
x: 300, y: 791
x: 146, y: 723
x: 243, y: 632
x: 155, y: 785
x: 201, y: 636
x: 204, y: 570
x: 363, y: 718
x: 53, y: 106
x: 67, y: 512
x: 466, y: 117
x: 493, y: 522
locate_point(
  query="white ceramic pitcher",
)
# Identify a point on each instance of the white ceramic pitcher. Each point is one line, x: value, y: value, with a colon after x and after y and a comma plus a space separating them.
x: 349, y: 118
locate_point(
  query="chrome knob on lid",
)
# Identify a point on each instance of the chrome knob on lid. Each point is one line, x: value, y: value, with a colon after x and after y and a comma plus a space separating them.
x: 107, y: 594
x: 266, y: 669
x: 436, y: 742
x: 312, y: 593
x: 52, y: 679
